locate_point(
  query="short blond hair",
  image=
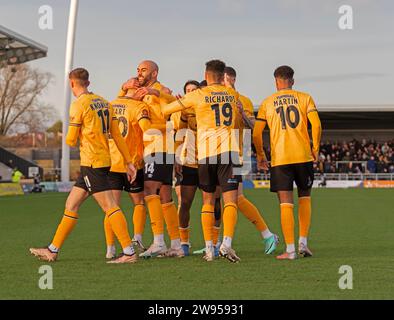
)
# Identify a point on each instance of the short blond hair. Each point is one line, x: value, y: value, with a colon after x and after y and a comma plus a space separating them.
x: 81, y: 75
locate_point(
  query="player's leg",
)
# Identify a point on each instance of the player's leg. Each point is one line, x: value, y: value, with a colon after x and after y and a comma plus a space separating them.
x: 218, y: 217
x: 153, y: 204
x: 287, y: 222
x: 187, y: 196
x: 229, y: 185
x: 109, y: 233
x: 136, y: 193
x: 250, y: 211
x: 171, y: 219
x: 304, y: 179
x: 178, y: 195
x: 230, y: 216
x: 304, y: 220
x: 70, y: 217
x: 207, y: 221
x: 98, y: 183
x: 139, y: 218
x: 216, y: 224
x: 116, y: 184
x: 282, y: 179
x: 188, y: 187
x: 77, y: 196
x: 118, y: 224
x: 153, y: 179
x: 207, y: 174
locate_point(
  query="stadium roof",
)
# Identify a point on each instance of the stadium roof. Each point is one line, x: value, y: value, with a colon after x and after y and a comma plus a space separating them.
x: 16, y: 49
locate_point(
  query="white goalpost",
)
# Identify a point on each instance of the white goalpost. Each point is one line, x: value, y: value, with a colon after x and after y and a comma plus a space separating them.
x: 72, y: 21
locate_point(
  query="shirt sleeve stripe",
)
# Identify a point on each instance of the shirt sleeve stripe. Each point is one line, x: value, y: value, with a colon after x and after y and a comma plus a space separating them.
x: 143, y: 117
x: 261, y: 119
x: 313, y: 110
x: 75, y: 124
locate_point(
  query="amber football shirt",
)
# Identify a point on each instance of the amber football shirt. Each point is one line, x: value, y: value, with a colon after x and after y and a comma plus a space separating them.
x: 216, y: 115
x: 286, y: 114
x: 93, y: 114
x: 155, y: 139
x: 129, y: 112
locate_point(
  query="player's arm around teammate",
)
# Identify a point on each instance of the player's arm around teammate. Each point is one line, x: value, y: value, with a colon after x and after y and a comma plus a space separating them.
x: 158, y: 165
x: 287, y: 113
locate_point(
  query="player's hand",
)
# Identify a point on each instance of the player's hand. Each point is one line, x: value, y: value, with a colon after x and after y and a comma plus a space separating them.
x: 132, y: 83
x: 131, y: 172
x: 262, y: 165
x: 178, y: 96
x: 145, y: 91
x: 138, y: 95
x: 240, y: 106
x: 178, y: 169
x: 315, y: 155
x: 166, y: 90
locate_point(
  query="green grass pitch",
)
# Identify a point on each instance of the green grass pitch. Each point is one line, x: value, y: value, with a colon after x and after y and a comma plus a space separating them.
x: 349, y: 227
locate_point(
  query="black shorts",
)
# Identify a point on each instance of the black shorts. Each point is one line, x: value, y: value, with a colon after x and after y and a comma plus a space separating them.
x: 212, y: 175
x: 119, y: 181
x: 93, y: 180
x: 189, y: 177
x: 157, y: 168
x: 283, y: 177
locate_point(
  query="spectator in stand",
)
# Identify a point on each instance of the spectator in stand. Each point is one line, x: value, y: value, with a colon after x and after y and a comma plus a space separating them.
x: 371, y: 165
x: 359, y: 153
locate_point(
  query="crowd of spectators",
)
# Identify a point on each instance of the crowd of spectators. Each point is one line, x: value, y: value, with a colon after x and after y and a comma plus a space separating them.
x: 353, y: 156
x: 356, y: 157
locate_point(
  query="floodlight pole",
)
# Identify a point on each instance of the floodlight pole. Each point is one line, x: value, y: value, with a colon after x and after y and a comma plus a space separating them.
x: 72, y: 21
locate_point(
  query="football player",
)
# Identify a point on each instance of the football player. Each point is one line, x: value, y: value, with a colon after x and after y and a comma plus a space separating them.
x: 287, y: 113
x: 158, y: 159
x: 92, y: 120
x: 215, y: 107
x: 248, y: 209
x: 186, y: 170
x: 134, y: 120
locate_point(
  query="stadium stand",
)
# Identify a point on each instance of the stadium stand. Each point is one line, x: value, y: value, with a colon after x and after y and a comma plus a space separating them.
x: 357, y: 143
x: 5, y: 173
x: 12, y: 160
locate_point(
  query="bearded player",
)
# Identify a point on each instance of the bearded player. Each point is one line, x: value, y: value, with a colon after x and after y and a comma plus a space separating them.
x: 158, y: 159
